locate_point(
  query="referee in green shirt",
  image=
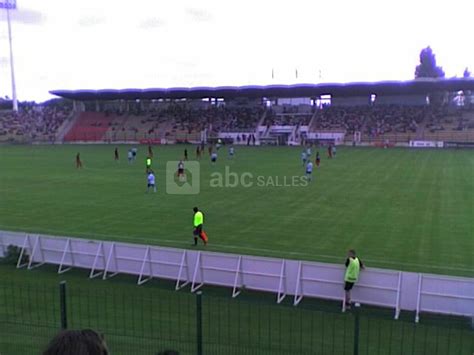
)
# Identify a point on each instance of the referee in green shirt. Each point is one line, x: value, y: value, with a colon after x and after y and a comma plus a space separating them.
x: 353, y: 266
x: 148, y: 164
x: 198, y: 221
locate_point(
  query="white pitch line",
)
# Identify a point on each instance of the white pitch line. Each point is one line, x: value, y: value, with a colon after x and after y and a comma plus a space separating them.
x: 270, y: 251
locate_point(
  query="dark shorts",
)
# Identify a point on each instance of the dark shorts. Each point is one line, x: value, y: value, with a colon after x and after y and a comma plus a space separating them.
x: 180, y: 171
x: 197, y: 230
x: 151, y: 185
x: 213, y: 160
x: 348, y: 285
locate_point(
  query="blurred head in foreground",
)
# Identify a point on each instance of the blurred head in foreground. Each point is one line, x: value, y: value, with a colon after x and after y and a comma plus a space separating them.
x: 77, y: 342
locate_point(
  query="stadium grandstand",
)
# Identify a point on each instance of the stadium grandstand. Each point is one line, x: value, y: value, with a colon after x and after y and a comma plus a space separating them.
x: 362, y: 113
x: 35, y: 123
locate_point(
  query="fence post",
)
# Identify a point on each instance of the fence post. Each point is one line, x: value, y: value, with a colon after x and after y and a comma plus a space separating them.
x: 62, y: 304
x: 199, y: 321
x: 356, y: 330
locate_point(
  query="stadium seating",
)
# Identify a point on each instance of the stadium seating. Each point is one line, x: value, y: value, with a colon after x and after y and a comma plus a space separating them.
x: 454, y: 126
x: 174, y: 122
x: 396, y: 123
x: 235, y: 119
x: 133, y: 127
x: 289, y: 115
x: 89, y: 126
x: 377, y: 124
x: 33, y: 123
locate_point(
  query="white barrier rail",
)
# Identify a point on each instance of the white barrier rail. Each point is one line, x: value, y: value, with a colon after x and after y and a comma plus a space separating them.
x: 450, y: 295
x: 387, y: 288
x: 239, y: 271
x: 378, y: 287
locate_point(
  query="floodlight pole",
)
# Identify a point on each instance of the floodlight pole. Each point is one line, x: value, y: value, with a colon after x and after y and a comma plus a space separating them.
x: 15, y: 100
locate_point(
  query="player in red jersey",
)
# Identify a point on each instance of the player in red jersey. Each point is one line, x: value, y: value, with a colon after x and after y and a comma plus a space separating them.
x: 78, y: 161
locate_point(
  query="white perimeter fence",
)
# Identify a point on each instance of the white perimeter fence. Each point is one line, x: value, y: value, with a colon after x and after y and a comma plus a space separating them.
x: 285, y: 278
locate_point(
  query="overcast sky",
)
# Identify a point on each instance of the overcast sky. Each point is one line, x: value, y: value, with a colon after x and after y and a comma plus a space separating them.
x: 97, y: 44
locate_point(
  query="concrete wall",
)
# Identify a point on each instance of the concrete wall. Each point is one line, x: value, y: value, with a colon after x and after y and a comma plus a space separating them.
x: 404, y: 100
x: 350, y: 101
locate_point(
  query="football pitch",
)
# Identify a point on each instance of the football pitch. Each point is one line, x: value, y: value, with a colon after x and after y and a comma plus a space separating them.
x: 399, y: 208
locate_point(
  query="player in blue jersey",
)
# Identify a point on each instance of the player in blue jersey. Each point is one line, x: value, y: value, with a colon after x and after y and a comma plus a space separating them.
x: 304, y: 157
x: 309, y: 170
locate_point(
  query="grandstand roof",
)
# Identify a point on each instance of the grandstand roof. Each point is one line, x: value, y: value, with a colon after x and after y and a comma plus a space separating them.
x: 418, y: 86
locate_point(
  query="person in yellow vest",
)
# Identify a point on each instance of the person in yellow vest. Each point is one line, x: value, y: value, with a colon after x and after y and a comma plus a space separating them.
x: 198, y: 222
x: 148, y: 164
x: 353, y: 266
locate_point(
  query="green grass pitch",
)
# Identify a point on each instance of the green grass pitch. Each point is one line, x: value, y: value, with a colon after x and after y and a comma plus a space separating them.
x: 399, y: 208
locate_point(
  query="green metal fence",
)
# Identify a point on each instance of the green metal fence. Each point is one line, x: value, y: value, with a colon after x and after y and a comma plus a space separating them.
x: 148, y: 320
